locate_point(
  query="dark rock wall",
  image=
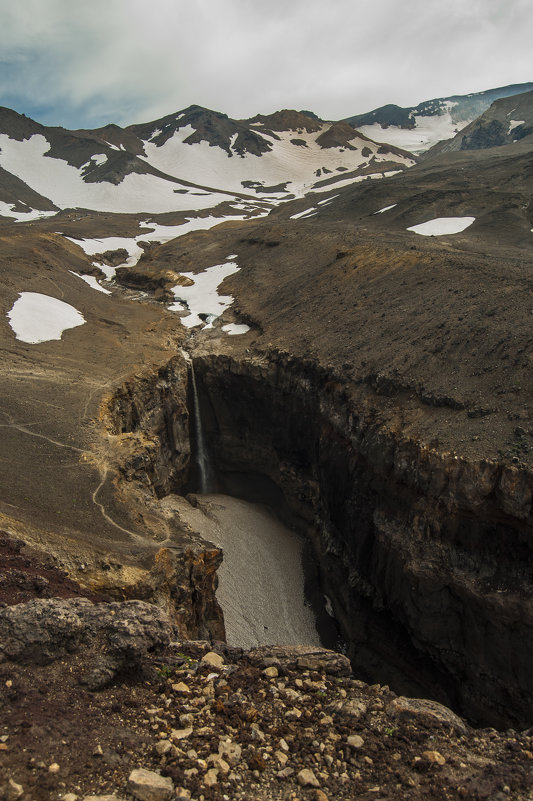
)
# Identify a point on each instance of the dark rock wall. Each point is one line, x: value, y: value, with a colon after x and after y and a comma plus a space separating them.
x: 149, y: 417
x: 426, y: 557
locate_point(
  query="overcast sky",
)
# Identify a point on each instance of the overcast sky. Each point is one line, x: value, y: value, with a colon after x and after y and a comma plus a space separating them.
x: 82, y: 64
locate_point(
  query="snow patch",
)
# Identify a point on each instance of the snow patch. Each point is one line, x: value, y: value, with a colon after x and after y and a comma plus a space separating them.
x: 40, y: 318
x: 514, y: 124
x: 202, y: 297
x: 386, y: 208
x: 6, y: 210
x: 235, y: 328
x: 91, y: 280
x: 441, y: 226
x: 302, y: 213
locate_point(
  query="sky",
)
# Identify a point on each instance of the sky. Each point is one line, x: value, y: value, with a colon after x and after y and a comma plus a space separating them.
x: 84, y: 64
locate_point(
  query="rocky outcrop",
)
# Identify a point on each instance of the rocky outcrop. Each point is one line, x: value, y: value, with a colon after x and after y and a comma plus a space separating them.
x: 149, y: 421
x: 425, y: 556
x: 114, y: 637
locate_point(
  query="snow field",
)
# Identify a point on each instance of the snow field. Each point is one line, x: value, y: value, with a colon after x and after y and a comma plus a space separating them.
x: 426, y: 133
x: 64, y: 185
x: 441, y: 226
x: 211, y: 166
x: 40, y: 318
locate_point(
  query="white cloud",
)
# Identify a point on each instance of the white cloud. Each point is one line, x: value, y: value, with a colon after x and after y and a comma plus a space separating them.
x: 130, y: 61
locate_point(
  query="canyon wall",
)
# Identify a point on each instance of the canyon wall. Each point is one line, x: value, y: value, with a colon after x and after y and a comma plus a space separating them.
x: 425, y: 556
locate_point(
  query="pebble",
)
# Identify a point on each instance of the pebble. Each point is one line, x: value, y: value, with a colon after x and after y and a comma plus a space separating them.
x: 181, y: 687
x: 163, y: 747
x: 149, y: 786
x: 13, y: 791
x: 271, y: 672
x: 306, y: 778
x: 212, y: 659
x: 286, y: 773
x: 181, y: 734
x: 434, y: 756
x: 211, y: 777
x: 355, y: 741
x: 53, y: 768
x: 230, y: 751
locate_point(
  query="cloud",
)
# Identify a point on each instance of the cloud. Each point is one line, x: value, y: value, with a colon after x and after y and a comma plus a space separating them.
x: 130, y: 61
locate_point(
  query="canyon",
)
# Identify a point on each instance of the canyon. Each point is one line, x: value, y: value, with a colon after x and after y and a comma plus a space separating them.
x: 377, y: 398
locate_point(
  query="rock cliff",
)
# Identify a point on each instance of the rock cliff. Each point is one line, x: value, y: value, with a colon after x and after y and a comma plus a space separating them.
x: 425, y: 556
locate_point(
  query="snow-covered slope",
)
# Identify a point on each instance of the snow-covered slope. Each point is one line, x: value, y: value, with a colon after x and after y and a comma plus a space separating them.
x: 506, y: 122
x: 292, y: 160
x: 189, y: 161
x: 418, y: 128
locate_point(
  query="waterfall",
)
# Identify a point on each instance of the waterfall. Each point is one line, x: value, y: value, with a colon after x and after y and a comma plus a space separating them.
x: 202, y: 458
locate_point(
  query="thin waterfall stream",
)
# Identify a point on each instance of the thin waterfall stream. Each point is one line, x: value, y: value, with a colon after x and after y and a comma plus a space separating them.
x: 205, y: 474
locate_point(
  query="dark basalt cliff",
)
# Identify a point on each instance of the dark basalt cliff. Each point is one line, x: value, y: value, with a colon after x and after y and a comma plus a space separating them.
x: 426, y: 557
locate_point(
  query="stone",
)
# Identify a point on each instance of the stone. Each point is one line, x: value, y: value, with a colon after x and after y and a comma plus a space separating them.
x: 306, y: 778
x: 355, y: 741
x: 281, y: 757
x: 286, y: 773
x: 434, y: 756
x: 73, y: 797
x: 219, y: 763
x: 13, y: 791
x: 231, y: 752
x: 319, y: 795
x: 163, y: 747
x: 182, y: 794
x: 181, y: 734
x: 211, y: 777
x: 428, y: 711
x: 212, y: 659
x: 293, y: 714
x: 180, y: 687
x: 54, y: 768
x: 351, y: 710
x: 149, y: 786
x: 271, y: 672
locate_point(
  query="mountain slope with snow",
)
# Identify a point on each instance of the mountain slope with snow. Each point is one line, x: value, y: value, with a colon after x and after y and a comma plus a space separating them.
x: 506, y: 122
x: 417, y: 128
x: 193, y: 160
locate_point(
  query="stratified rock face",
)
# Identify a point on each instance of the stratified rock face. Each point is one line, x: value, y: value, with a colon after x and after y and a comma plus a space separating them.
x: 426, y: 557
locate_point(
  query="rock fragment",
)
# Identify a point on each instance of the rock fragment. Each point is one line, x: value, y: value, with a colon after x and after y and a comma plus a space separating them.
x: 212, y: 659
x: 149, y: 786
x: 306, y: 778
